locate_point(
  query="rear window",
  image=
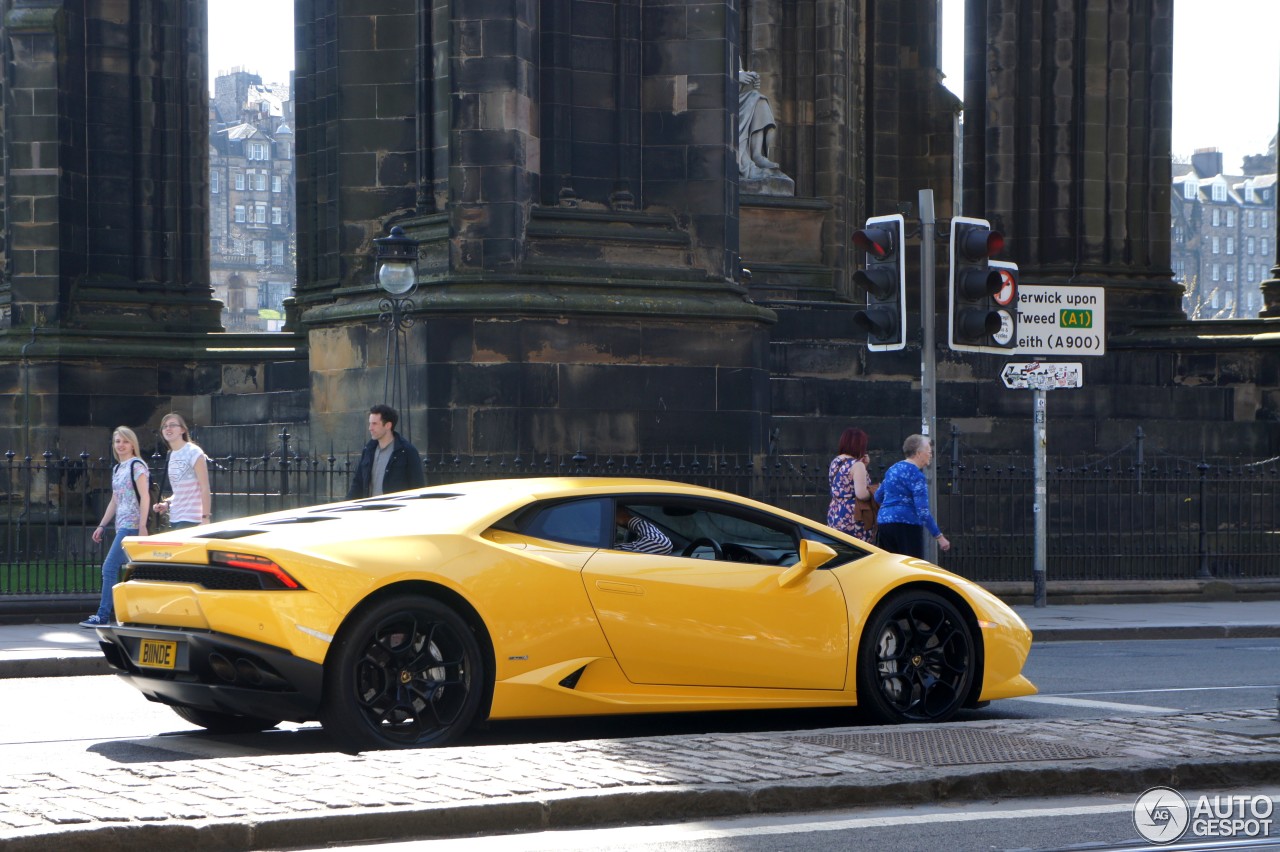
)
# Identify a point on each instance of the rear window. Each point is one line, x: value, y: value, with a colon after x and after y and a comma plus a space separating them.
x: 580, y: 522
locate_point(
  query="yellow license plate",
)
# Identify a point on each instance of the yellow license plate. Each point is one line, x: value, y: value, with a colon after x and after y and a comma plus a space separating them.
x: 158, y: 654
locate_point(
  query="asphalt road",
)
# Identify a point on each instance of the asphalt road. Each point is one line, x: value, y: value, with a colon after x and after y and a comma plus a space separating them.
x: 100, y: 718
x: 1086, y: 679
x: 1093, y: 823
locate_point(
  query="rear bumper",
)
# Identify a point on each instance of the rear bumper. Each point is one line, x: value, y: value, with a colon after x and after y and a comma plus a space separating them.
x: 214, y: 671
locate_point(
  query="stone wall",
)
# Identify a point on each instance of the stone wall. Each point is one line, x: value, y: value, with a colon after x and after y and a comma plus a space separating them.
x: 569, y: 169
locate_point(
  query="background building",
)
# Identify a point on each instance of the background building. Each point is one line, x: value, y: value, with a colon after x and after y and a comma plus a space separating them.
x: 252, y: 243
x: 1223, y: 238
x: 569, y: 171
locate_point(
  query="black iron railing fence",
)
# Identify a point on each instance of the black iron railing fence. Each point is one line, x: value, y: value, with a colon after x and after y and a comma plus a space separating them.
x: 1123, y: 517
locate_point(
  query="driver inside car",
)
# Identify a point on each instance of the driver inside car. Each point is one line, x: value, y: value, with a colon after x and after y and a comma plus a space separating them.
x: 645, y: 537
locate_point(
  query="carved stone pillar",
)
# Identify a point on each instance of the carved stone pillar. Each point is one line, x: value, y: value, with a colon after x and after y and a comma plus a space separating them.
x: 1066, y: 143
x: 104, y: 229
x: 106, y: 137
x: 577, y: 263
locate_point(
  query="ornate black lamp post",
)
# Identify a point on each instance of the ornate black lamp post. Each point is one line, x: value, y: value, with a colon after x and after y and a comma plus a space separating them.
x: 397, y: 258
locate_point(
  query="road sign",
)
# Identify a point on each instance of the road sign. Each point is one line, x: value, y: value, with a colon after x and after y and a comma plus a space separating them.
x: 1061, y: 320
x: 1004, y: 297
x: 1008, y: 281
x: 1038, y: 376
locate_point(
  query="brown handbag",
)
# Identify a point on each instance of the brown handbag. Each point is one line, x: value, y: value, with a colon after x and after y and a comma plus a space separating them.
x: 864, y: 511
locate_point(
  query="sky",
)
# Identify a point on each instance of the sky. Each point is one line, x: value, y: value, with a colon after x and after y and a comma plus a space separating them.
x: 1226, y: 76
x: 256, y: 35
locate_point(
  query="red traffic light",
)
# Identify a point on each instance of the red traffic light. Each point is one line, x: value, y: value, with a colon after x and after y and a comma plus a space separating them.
x: 983, y: 292
x: 877, y: 242
x: 980, y: 243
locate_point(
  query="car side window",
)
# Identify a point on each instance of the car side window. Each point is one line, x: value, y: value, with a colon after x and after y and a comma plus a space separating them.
x: 705, y: 530
x: 580, y: 522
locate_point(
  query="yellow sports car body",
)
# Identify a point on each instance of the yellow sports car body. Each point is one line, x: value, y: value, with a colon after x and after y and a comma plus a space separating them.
x: 398, y: 621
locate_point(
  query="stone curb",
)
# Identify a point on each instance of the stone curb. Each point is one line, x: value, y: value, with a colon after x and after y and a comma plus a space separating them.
x: 73, y: 664
x: 635, y: 806
x: 1171, y: 631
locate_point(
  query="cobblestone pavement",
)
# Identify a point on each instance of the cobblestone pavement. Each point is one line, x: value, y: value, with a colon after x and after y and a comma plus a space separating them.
x: 281, y: 801
x: 288, y: 800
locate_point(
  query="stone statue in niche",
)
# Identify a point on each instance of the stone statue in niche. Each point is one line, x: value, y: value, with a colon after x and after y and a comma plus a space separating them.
x: 756, y: 172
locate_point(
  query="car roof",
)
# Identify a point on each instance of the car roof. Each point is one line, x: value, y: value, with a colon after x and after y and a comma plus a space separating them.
x: 464, y: 508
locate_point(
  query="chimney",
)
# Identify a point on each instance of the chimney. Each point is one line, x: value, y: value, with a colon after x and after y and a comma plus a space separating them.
x: 1207, y: 162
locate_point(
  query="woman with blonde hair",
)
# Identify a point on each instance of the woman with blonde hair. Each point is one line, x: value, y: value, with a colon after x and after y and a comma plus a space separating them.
x: 130, y: 502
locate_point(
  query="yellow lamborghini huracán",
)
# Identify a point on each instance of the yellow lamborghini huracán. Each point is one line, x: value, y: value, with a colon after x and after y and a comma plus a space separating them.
x: 398, y: 621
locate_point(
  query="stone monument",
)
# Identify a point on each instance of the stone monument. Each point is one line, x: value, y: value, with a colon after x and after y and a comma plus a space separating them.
x: 757, y: 173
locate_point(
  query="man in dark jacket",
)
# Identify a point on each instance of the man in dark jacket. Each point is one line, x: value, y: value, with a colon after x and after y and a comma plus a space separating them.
x: 388, y: 463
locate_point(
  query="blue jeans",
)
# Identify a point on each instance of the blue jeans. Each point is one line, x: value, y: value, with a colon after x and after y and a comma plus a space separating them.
x: 111, y: 574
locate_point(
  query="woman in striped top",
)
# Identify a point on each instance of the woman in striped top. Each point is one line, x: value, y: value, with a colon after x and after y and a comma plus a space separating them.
x: 191, y: 502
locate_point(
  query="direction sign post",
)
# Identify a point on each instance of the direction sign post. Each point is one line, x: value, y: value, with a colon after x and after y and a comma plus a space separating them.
x: 1041, y: 378
x: 1052, y: 321
x: 1040, y: 504
x: 1061, y: 320
x: 1031, y: 374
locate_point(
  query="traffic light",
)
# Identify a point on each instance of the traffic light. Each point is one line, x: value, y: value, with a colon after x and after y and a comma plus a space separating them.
x: 983, y: 294
x: 885, y: 281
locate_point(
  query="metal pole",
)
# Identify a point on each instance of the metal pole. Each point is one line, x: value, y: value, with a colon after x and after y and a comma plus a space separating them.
x: 1204, y: 573
x: 284, y: 462
x: 395, y: 314
x: 955, y: 459
x: 1040, y: 509
x: 26, y: 394
x: 1138, y: 436
x: 928, y: 355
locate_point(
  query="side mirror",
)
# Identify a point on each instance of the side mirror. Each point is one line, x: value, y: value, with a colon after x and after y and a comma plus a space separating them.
x: 813, y: 555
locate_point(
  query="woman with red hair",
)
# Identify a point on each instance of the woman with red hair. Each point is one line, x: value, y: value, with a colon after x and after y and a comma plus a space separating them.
x: 849, y: 480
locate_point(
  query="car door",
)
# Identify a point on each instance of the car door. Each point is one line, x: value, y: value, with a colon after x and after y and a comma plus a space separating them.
x: 724, y: 621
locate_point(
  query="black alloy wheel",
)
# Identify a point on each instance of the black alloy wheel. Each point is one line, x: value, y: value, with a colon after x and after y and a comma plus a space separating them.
x: 916, y: 659
x: 406, y: 673
x: 216, y: 722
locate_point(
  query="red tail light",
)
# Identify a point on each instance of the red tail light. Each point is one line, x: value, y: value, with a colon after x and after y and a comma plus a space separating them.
x: 252, y: 562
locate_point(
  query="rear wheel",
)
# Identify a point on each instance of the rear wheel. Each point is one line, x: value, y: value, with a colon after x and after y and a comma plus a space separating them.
x: 407, y: 673
x: 225, y: 723
x: 916, y: 660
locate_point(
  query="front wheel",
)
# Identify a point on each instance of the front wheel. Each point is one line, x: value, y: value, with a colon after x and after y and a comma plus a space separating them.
x: 916, y: 660
x: 225, y: 723
x: 407, y: 673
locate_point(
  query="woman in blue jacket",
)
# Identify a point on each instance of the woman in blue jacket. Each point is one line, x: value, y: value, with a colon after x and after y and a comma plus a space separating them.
x: 904, y: 502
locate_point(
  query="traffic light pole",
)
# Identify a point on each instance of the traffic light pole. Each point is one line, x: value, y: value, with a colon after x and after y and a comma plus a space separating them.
x: 928, y: 353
